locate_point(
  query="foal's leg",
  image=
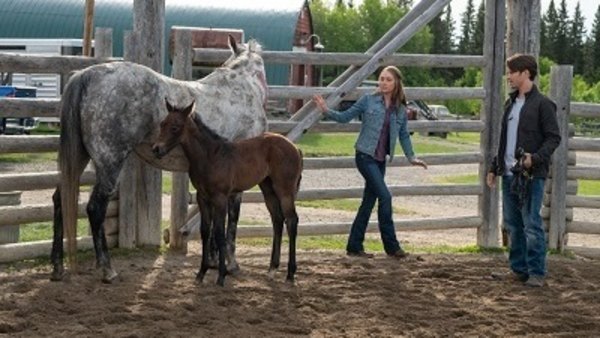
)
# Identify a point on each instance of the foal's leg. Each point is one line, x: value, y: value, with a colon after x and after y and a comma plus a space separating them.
x: 219, y: 212
x: 274, y: 208
x: 291, y: 221
x: 96, y: 210
x: 233, y: 216
x: 205, y: 225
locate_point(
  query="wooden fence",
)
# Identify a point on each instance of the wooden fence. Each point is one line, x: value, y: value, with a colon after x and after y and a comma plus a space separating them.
x: 487, y: 235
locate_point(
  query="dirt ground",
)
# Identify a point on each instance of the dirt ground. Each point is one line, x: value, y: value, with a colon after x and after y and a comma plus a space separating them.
x: 334, y: 296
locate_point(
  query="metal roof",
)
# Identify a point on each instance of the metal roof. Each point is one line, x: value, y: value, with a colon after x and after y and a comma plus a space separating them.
x: 272, y: 23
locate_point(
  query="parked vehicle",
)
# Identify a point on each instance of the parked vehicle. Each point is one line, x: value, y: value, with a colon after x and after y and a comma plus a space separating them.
x: 10, y: 125
x: 442, y: 112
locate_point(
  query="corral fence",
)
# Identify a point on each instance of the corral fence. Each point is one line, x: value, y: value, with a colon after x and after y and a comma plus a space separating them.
x: 560, y: 199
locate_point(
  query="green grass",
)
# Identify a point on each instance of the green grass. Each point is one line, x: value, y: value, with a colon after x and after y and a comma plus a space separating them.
x: 458, y: 179
x: 43, y: 230
x: 588, y: 188
x: 28, y: 158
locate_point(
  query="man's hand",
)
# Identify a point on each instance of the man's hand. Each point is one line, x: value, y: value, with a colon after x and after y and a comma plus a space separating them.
x: 491, y: 180
x: 527, y: 162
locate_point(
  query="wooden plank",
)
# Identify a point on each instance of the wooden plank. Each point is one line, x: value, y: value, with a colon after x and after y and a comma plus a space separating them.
x: 561, y: 78
x: 214, y: 55
x: 29, y: 250
x: 28, y: 107
x: 584, y: 173
x: 591, y: 228
x: 356, y: 192
x: 584, y: 109
x: 182, y: 70
x: 491, y: 112
x: 368, y: 68
x: 345, y: 162
x: 424, y: 224
x: 424, y: 93
x: 38, y: 181
x: 44, y: 64
x: 417, y: 126
x: 30, y: 213
x: 28, y: 144
x: 584, y: 144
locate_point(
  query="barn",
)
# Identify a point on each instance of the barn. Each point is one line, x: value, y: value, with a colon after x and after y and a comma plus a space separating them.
x: 282, y: 25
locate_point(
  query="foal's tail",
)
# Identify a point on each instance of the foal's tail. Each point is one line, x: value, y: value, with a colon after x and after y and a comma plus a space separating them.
x: 301, y: 168
x: 71, y: 154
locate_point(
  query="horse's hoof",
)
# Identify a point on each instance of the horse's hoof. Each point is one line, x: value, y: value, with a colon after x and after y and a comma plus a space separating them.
x: 109, y: 276
x: 221, y: 281
x: 57, y: 274
x: 271, y: 273
x: 234, y: 269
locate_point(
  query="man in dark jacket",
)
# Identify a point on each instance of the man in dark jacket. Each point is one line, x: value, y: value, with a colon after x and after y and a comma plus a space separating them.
x: 528, y: 138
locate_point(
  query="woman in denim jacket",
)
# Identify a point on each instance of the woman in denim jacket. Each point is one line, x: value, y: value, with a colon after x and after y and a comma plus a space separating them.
x: 383, y: 116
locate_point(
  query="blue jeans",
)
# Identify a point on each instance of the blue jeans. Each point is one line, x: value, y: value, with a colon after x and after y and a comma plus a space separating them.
x: 526, y: 230
x: 375, y: 189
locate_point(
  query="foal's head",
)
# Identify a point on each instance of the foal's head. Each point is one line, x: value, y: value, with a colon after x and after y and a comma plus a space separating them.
x: 171, y: 129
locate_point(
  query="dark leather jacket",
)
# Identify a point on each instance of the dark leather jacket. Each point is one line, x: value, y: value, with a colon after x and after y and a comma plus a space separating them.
x: 538, y: 132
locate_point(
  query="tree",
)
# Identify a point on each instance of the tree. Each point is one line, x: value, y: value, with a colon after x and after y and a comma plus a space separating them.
x: 441, y: 28
x: 464, y: 44
x: 550, y: 20
x: 595, y: 53
x: 478, y: 30
x: 576, y: 33
x: 561, y: 43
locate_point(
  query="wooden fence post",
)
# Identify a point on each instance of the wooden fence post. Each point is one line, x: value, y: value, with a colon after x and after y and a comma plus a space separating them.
x: 140, y: 189
x: 182, y: 70
x: 103, y: 42
x: 491, y: 113
x: 561, y: 79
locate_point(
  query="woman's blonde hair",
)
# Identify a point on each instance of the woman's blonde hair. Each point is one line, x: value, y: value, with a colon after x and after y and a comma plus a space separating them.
x: 398, y: 96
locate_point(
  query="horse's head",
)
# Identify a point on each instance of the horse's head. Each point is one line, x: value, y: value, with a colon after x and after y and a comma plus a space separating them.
x: 171, y: 129
x: 245, y: 56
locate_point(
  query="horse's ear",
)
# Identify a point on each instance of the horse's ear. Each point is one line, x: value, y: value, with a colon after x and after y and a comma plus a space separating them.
x: 169, y: 106
x: 189, y: 110
x: 233, y: 45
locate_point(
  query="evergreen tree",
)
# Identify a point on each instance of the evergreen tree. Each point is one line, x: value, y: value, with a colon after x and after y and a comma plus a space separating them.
x: 465, y: 42
x: 478, y: 30
x: 550, y: 20
x: 576, y: 33
x: 441, y: 28
x: 595, y: 38
x: 562, y: 43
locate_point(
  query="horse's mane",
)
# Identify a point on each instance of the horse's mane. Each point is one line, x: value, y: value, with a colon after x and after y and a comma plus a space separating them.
x: 206, y: 129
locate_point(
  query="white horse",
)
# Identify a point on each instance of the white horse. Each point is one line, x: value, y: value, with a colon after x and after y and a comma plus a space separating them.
x: 113, y: 109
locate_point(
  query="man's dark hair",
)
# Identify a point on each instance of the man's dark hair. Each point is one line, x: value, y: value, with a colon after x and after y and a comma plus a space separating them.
x: 522, y: 62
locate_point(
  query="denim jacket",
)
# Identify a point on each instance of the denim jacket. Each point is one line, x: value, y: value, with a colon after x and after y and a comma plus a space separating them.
x: 371, y: 109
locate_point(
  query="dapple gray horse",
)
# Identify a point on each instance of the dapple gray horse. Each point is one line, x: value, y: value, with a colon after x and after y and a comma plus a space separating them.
x: 110, y: 110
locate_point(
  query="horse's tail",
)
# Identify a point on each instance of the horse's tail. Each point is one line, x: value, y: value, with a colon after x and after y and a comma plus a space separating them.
x: 301, y: 169
x: 70, y: 156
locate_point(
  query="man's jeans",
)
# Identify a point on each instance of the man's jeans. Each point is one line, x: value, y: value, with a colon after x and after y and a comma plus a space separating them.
x: 527, y: 236
x: 375, y: 189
